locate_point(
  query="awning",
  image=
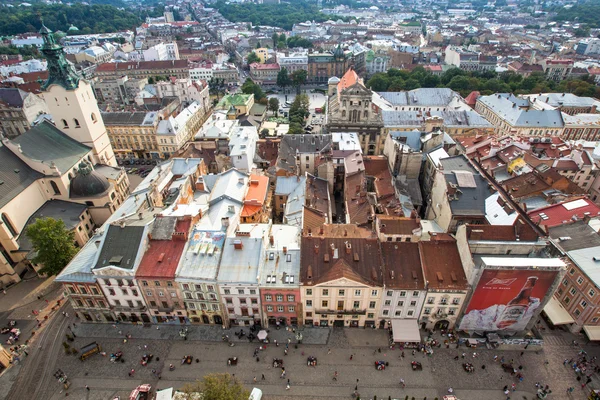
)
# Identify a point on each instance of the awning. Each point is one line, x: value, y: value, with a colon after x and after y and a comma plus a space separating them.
x: 406, y: 330
x: 557, y: 313
x: 592, y: 332
x: 165, y: 394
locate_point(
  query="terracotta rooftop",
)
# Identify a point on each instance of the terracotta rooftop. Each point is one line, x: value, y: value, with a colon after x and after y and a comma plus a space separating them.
x: 326, y: 259
x: 312, y: 220
x: 162, y: 256
x: 341, y: 231
x: 392, y: 225
x: 258, y: 185
x: 520, y: 230
x: 402, y: 265
x: 349, y: 79
x: 142, y: 65
x: 358, y: 207
x: 442, y: 265
x: 558, y: 214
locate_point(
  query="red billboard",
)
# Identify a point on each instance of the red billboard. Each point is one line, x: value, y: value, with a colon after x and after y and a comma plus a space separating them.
x: 506, y: 299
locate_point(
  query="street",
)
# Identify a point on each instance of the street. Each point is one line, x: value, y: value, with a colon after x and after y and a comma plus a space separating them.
x: 440, y: 371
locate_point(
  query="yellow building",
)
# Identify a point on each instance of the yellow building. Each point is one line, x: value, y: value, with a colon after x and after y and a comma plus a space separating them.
x: 263, y: 54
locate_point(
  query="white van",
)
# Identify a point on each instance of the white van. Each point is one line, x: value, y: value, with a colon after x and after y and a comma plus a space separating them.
x: 256, y: 394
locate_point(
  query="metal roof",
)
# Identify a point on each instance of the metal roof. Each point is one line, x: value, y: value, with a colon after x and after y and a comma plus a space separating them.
x: 241, y: 265
x: 588, y: 260
x: 47, y: 144
x: 15, y: 175
x: 422, y: 97
x: 518, y: 112
x: 120, y: 247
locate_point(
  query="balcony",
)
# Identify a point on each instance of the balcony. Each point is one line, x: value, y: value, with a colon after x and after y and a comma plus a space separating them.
x: 165, y: 309
x: 342, y: 312
x: 127, y: 308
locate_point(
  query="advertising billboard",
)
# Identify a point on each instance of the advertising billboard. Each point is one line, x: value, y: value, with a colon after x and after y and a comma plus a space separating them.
x: 506, y: 299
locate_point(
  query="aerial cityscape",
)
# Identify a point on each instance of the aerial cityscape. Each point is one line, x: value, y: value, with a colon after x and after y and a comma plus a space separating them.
x: 300, y: 199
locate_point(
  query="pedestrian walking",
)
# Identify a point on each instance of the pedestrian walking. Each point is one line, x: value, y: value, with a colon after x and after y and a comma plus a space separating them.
x: 254, y: 379
x: 413, y: 352
x: 4, y: 291
x: 263, y: 377
x: 456, y: 358
x: 402, y: 355
x: 328, y: 351
x: 351, y: 356
x: 63, y: 313
x: 464, y: 355
x: 87, y: 388
x: 450, y: 390
x: 132, y: 372
x: 402, y: 383
x: 513, y: 387
x: 285, y: 352
x: 335, y: 374
x: 495, y: 358
x: 474, y: 355
x: 287, y: 387
x: 522, y: 353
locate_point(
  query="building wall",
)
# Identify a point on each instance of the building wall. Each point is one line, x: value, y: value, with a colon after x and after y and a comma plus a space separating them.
x: 202, y: 302
x: 164, y: 300
x: 242, y: 304
x: 281, y: 304
x: 442, y: 305
x: 580, y: 297
x: 88, y: 301
x: 328, y: 297
x: 124, y: 298
x: 401, y: 304
x: 80, y: 106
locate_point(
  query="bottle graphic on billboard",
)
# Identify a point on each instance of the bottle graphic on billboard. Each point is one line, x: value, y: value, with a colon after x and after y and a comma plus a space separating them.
x: 517, y: 307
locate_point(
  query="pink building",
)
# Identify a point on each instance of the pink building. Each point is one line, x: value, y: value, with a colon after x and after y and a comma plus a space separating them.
x: 279, y: 279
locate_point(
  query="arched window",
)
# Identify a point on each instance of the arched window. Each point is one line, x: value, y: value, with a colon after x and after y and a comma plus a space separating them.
x: 76, y: 122
x: 55, y: 187
x: 366, y: 114
x: 9, y: 226
x: 65, y: 123
x: 343, y: 113
x: 93, y: 117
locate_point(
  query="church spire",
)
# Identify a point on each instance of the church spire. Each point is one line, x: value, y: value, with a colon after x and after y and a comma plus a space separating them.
x: 60, y: 71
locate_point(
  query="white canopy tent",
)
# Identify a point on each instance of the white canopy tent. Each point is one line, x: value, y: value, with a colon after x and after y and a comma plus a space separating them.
x: 406, y: 330
x: 557, y: 313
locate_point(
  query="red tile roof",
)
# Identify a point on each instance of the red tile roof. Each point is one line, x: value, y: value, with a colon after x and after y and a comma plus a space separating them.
x: 558, y: 214
x: 256, y: 195
x: 162, y: 256
x: 402, y: 265
x: 142, y: 65
x: 519, y: 230
x: 349, y: 79
x: 442, y: 265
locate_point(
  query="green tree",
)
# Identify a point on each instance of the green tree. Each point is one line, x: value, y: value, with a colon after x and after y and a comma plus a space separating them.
x: 216, y: 387
x: 283, y: 78
x: 275, y: 39
x: 295, y: 128
x: 379, y: 82
x: 299, y: 110
x: 299, y: 78
x: 274, y: 105
x: 53, y: 243
x: 249, y: 87
x: 411, y: 84
x: 253, y: 58
x: 216, y: 87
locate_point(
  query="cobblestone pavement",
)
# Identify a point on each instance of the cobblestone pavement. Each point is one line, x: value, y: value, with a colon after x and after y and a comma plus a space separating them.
x: 440, y: 370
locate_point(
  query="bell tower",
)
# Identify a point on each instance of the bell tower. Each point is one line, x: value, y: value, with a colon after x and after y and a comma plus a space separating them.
x: 72, y: 103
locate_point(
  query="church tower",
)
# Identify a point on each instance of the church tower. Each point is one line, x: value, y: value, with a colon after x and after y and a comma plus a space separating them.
x: 72, y: 104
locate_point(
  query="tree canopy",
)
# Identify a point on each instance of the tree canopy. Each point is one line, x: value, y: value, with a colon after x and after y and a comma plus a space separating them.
x: 584, y: 13
x: 283, y: 15
x: 53, y: 243
x: 253, y: 58
x: 299, y: 110
x: 216, y: 387
x: 97, y: 18
x: 249, y: 87
x: 486, y: 83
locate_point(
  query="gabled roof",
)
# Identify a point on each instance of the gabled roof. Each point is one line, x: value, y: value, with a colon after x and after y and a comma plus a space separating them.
x: 13, y: 97
x: 422, y: 97
x: 15, y: 175
x: 162, y: 256
x: 520, y: 231
x: 442, y: 264
x: 325, y: 259
x: 46, y: 143
x: 402, y: 265
x: 349, y: 79
x: 120, y: 247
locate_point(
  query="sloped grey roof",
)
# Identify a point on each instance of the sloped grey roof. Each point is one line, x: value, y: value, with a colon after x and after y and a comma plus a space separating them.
x: 567, y: 99
x: 13, y: 97
x: 422, y: 97
x: 129, y: 118
x: 416, y: 118
x: 471, y: 200
x: 291, y: 145
x: 46, y: 143
x: 286, y: 184
x: 121, y: 246
x: 15, y: 175
x: 517, y: 112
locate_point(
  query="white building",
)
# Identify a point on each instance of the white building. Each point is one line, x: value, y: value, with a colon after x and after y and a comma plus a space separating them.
x: 186, y: 90
x: 173, y: 132
x: 293, y: 61
x: 242, y: 147
x: 238, y: 279
x: 36, y: 41
x: 201, y: 73
x: 161, y: 52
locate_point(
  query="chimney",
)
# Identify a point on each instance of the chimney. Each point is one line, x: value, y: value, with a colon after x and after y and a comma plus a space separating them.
x: 316, y: 249
x: 309, y: 273
x: 348, y: 248
x: 237, y: 244
x: 284, y: 250
x: 271, y: 240
x: 321, y: 230
x: 200, y: 184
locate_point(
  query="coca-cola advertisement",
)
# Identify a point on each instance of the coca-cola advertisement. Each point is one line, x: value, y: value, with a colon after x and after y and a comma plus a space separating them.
x: 505, y: 300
